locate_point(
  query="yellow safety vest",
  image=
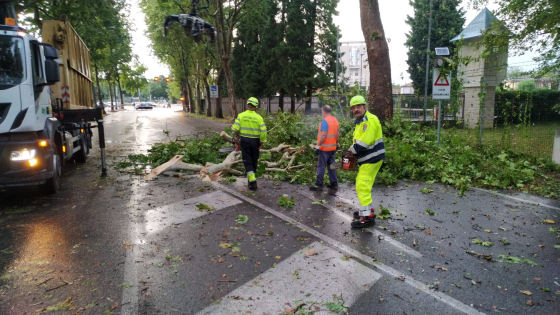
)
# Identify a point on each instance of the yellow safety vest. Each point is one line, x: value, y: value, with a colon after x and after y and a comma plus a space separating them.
x: 368, y: 144
x: 250, y: 125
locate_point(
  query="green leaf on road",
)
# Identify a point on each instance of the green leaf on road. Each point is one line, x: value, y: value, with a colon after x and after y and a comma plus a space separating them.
x: 204, y: 207
x: 516, y: 260
x: 242, y: 219
x: 430, y: 211
x: 482, y: 243
x: 426, y: 190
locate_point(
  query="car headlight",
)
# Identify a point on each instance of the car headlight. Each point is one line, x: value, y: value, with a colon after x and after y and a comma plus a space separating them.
x: 22, y: 155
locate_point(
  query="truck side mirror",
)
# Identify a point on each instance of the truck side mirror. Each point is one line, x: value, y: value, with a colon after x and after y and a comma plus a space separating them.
x: 51, y: 66
x: 49, y: 51
x: 51, y: 71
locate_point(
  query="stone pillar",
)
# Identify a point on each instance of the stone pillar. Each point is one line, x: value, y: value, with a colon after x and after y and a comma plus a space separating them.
x: 556, y: 148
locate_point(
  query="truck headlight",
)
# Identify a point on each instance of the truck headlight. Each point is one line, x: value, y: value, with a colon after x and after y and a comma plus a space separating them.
x: 23, y: 155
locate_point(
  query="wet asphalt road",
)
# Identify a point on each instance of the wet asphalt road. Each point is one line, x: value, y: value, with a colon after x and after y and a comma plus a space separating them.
x: 123, y: 245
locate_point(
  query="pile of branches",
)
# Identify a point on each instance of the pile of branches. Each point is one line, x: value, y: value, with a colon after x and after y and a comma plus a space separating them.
x: 214, y: 171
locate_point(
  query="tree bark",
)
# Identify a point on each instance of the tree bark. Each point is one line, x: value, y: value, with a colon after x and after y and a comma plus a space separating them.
x: 281, y: 101
x: 292, y: 104
x: 190, y: 97
x: 99, y: 96
x: 219, y: 112
x: 208, y: 99
x: 380, y: 97
x: 120, y: 90
x: 184, y: 96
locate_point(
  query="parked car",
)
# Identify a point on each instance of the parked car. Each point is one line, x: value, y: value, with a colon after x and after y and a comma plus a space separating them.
x: 144, y: 105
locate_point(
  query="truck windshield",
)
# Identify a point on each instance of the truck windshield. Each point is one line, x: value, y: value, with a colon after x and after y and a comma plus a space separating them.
x: 11, y: 61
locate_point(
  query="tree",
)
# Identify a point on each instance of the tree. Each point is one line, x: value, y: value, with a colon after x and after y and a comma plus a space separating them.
x: 532, y: 24
x: 447, y: 22
x: 380, y: 96
x: 227, y: 18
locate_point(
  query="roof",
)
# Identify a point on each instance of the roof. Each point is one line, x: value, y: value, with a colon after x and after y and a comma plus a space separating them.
x: 477, y: 26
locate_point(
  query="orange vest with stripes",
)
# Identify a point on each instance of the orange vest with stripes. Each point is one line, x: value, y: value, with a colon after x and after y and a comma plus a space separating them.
x: 332, y: 134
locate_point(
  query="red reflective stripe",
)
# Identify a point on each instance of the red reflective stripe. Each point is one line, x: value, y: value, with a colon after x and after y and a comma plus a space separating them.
x: 330, y: 142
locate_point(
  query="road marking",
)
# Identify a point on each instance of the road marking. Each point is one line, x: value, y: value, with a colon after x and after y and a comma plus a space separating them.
x: 456, y: 304
x: 186, y: 210
x: 129, y: 300
x: 374, y: 231
x: 155, y: 220
x: 534, y: 203
x: 315, y: 273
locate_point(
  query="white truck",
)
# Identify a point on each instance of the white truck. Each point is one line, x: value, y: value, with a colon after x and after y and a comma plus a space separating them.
x: 46, y: 103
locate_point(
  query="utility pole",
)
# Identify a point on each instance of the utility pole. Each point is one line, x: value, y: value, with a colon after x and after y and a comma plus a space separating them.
x: 427, y: 69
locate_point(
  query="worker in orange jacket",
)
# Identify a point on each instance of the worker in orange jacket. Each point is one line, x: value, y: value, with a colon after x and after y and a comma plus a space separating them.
x: 327, y: 142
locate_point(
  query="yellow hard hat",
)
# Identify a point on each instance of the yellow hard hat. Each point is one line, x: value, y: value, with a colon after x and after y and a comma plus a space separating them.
x: 253, y: 101
x: 357, y: 100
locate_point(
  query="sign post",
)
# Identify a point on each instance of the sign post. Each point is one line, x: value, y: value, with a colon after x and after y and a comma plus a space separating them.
x: 441, y: 90
x: 213, y: 91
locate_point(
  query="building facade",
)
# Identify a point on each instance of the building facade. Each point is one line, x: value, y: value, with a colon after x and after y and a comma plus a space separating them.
x: 354, y: 61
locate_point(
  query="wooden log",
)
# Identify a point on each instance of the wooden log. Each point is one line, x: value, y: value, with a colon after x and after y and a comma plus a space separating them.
x: 158, y: 170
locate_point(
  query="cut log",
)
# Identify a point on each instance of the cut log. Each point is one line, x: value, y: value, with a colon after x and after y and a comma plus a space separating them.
x: 158, y: 170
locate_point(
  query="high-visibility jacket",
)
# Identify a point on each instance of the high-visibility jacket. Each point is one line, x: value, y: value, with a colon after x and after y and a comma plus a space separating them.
x: 332, y: 134
x: 250, y: 125
x: 368, y: 144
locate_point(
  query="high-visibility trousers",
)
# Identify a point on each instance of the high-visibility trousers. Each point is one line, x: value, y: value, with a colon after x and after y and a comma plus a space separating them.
x: 365, y: 180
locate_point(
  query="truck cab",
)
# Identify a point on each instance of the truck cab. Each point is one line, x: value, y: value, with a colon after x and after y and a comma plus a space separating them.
x: 27, y: 68
x: 46, y: 105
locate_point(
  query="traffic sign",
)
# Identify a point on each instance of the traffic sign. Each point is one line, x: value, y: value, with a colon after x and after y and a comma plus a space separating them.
x: 213, y: 91
x: 441, y: 87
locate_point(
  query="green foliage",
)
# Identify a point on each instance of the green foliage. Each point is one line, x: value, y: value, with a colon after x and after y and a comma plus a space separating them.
x: 527, y: 85
x: 430, y: 212
x: 481, y: 243
x: 384, y: 214
x: 516, y: 260
x: 525, y: 107
x: 204, y: 207
x: 337, y: 306
x: 286, y: 201
x: 242, y: 219
x: 531, y: 24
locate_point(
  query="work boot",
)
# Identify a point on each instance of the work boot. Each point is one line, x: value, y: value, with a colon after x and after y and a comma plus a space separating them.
x: 315, y: 187
x: 364, y: 222
x: 253, y: 185
x: 333, y: 189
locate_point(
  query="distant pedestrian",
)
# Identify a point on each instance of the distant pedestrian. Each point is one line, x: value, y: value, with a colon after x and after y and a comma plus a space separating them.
x: 250, y: 132
x: 327, y: 142
x: 369, y: 151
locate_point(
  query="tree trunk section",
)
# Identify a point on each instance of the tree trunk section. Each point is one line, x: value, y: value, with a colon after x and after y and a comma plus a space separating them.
x: 380, y: 97
x: 219, y: 113
x: 292, y: 104
x: 281, y: 101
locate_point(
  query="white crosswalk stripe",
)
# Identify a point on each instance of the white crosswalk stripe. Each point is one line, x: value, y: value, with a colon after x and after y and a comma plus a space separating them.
x: 185, y: 210
x: 312, y: 275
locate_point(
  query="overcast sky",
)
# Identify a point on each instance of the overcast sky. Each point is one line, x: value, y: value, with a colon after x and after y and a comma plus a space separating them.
x: 393, y: 16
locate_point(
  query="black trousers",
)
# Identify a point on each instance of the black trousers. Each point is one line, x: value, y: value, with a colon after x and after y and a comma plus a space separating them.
x: 250, y: 153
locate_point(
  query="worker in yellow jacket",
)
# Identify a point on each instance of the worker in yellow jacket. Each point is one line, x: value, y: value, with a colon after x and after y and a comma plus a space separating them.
x: 369, y: 151
x: 250, y: 132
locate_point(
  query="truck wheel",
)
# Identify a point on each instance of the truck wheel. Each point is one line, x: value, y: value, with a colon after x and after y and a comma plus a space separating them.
x: 81, y: 156
x: 52, y: 186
